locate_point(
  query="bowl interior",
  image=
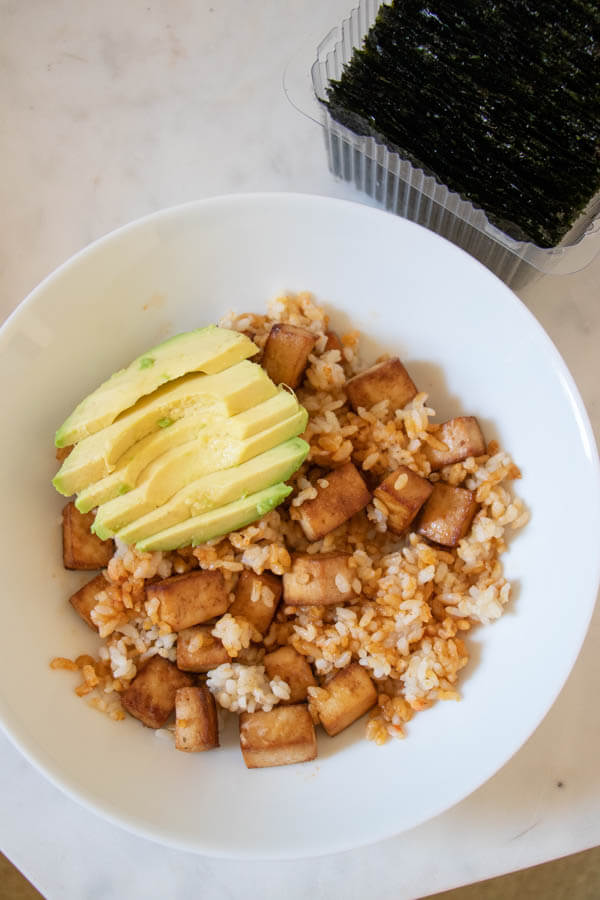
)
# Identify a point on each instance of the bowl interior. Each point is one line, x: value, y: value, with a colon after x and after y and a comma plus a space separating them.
x: 467, y: 340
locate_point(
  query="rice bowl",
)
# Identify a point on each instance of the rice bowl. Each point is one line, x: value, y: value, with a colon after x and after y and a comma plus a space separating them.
x: 288, y: 243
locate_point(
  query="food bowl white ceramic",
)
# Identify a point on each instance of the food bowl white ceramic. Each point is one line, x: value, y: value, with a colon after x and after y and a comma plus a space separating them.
x: 467, y: 340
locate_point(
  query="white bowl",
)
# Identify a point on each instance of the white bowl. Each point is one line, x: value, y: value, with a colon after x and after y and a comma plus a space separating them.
x: 467, y: 340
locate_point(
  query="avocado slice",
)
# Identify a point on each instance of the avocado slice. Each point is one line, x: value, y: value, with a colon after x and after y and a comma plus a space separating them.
x: 263, y: 415
x: 131, y: 464
x: 179, y: 466
x: 220, y: 488
x: 209, y: 350
x: 219, y: 396
x: 222, y: 520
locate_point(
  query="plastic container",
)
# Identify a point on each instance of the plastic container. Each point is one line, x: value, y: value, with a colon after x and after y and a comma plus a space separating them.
x: 398, y: 186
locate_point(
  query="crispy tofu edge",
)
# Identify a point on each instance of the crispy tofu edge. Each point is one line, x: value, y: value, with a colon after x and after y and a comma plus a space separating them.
x: 82, y: 550
x: 286, y: 353
x: 256, y: 612
x: 462, y: 430
x: 205, y: 658
x: 296, y: 747
x: 296, y: 593
x: 80, y: 602
x: 345, y: 495
x: 196, y: 721
x: 150, y: 697
x: 403, y: 505
x: 183, y: 608
x: 380, y: 382
x: 431, y: 513
x: 350, y: 709
x: 295, y: 671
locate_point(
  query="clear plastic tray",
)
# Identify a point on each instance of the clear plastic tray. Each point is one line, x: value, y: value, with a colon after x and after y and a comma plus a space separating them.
x: 398, y: 186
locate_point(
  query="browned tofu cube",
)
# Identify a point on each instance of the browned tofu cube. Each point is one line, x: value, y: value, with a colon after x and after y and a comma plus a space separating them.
x: 190, y: 599
x: 293, y: 668
x: 196, y: 725
x: 84, y: 600
x: 62, y: 452
x: 403, y: 493
x: 280, y: 737
x: 463, y: 438
x: 81, y: 548
x: 256, y: 598
x: 447, y: 515
x: 199, y: 651
x: 286, y: 353
x: 344, y: 699
x: 319, y: 579
x: 388, y: 380
x: 346, y: 494
x: 333, y: 342
x: 151, y: 695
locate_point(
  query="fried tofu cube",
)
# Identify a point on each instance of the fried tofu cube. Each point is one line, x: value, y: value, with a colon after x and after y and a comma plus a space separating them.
x: 283, y: 736
x: 344, y: 699
x: 463, y: 438
x: 256, y: 598
x: 196, y: 724
x: 447, y: 515
x: 403, y: 493
x: 286, y: 353
x: 84, y: 600
x: 151, y: 695
x: 346, y: 494
x: 388, y: 380
x: 293, y: 668
x: 62, y: 452
x: 333, y: 342
x: 81, y: 548
x: 199, y: 651
x: 319, y: 579
x: 190, y: 599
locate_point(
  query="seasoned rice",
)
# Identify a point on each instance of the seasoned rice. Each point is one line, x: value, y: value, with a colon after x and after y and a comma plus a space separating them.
x: 235, y: 633
x: 415, y: 603
x: 245, y: 688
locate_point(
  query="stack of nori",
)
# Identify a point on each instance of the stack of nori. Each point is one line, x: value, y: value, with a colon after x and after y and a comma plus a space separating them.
x: 499, y: 99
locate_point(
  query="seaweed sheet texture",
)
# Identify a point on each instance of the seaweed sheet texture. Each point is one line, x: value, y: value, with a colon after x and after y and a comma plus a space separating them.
x: 500, y: 101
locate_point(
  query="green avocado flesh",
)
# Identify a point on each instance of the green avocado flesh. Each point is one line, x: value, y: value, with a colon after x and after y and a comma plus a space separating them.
x: 269, y: 414
x: 216, y: 396
x: 230, y: 517
x: 209, y: 350
x: 192, y: 459
x: 129, y: 466
x: 173, y: 470
x: 219, y: 489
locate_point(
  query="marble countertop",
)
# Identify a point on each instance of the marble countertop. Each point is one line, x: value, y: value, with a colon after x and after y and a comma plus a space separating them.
x: 113, y: 110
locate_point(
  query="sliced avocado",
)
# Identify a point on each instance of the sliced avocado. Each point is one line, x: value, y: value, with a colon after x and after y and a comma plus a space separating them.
x: 263, y: 415
x: 226, y: 394
x: 134, y: 461
x: 220, y: 488
x: 208, y: 350
x: 270, y: 437
x: 176, y: 468
x: 222, y: 520
x: 130, y: 465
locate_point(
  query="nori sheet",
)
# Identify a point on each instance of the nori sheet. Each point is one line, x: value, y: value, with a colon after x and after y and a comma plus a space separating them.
x: 498, y: 99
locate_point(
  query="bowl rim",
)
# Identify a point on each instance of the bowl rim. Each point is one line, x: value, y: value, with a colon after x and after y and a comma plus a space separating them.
x: 36, y: 756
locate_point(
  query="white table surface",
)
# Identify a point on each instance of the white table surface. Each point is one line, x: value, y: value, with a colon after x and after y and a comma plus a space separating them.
x: 111, y: 110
